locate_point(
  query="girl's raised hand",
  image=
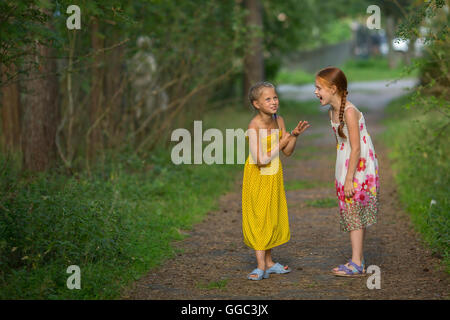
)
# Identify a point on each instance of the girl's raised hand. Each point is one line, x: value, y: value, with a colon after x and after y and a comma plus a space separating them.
x: 300, y: 128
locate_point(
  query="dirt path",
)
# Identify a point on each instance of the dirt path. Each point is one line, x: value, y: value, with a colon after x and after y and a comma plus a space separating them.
x: 214, y: 261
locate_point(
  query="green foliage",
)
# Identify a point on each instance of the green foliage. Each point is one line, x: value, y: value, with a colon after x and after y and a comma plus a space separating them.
x: 429, y: 21
x: 197, y: 45
x: 336, y: 31
x: 422, y: 165
x: 21, y: 23
x: 418, y: 129
x: 417, y: 14
x: 115, y: 224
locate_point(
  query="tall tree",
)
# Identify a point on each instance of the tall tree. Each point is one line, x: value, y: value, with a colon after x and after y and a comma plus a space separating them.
x: 254, y: 59
x: 95, y: 140
x: 41, y: 110
x: 10, y: 102
x: 114, y: 86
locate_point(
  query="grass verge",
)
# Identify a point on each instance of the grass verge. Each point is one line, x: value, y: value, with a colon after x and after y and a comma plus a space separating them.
x: 114, y: 225
x: 421, y: 165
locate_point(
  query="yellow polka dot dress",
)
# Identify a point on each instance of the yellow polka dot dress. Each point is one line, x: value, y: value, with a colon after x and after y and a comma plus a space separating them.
x: 265, y: 221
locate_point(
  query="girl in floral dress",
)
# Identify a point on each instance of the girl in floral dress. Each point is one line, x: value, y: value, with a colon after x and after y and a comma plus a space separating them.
x: 356, y: 173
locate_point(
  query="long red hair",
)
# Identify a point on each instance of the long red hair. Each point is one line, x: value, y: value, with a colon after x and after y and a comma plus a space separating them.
x: 334, y: 76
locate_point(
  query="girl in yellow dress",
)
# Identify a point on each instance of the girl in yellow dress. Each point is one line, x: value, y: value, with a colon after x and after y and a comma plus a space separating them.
x: 265, y: 221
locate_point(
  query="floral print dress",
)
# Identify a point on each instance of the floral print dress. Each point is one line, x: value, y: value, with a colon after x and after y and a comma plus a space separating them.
x: 361, y: 210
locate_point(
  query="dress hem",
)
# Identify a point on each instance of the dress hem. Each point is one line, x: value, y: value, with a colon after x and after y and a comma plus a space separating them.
x: 270, y: 247
x: 357, y: 228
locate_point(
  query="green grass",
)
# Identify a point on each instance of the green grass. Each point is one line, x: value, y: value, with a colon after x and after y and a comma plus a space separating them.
x: 305, y: 184
x: 306, y: 153
x: 220, y: 284
x: 297, y: 76
x: 355, y: 70
x: 421, y: 164
x: 322, y: 203
x: 373, y: 69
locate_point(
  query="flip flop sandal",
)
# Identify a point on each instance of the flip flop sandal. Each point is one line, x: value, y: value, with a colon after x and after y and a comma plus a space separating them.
x: 260, y: 273
x: 357, y: 272
x: 277, y: 268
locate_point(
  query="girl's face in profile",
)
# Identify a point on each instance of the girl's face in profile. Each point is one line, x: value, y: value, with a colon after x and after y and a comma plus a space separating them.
x: 267, y: 101
x: 323, y: 92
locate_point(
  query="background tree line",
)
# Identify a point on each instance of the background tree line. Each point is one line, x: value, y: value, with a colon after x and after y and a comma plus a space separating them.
x: 136, y: 69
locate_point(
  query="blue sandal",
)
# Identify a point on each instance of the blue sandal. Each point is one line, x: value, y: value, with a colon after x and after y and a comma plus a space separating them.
x: 358, y: 271
x: 278, y: 268
x: 260, y: 273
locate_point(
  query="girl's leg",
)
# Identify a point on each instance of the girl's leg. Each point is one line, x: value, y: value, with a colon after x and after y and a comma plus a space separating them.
x: 268, y: 260
x: 260, y: 259
x: 357, y: 240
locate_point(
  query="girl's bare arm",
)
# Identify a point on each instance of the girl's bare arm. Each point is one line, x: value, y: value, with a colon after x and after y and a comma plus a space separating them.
x: 352, y: 119
x: 290, y: 146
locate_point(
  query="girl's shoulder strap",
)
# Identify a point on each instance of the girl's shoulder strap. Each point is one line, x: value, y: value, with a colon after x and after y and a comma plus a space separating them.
x: 351, y: 106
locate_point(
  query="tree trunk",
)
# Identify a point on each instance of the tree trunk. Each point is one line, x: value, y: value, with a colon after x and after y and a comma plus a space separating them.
x: 41, y: 112
x: 10, y: 102
x: 253, y: 60
x: 114, y: 89
x: 390, y: 31
x: 95, y: 140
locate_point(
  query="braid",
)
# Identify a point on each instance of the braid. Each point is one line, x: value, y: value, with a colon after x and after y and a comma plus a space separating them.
x: 341, y: 114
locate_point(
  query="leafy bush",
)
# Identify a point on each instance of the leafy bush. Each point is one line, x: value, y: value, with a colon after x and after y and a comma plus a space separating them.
x: 115, y: 224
